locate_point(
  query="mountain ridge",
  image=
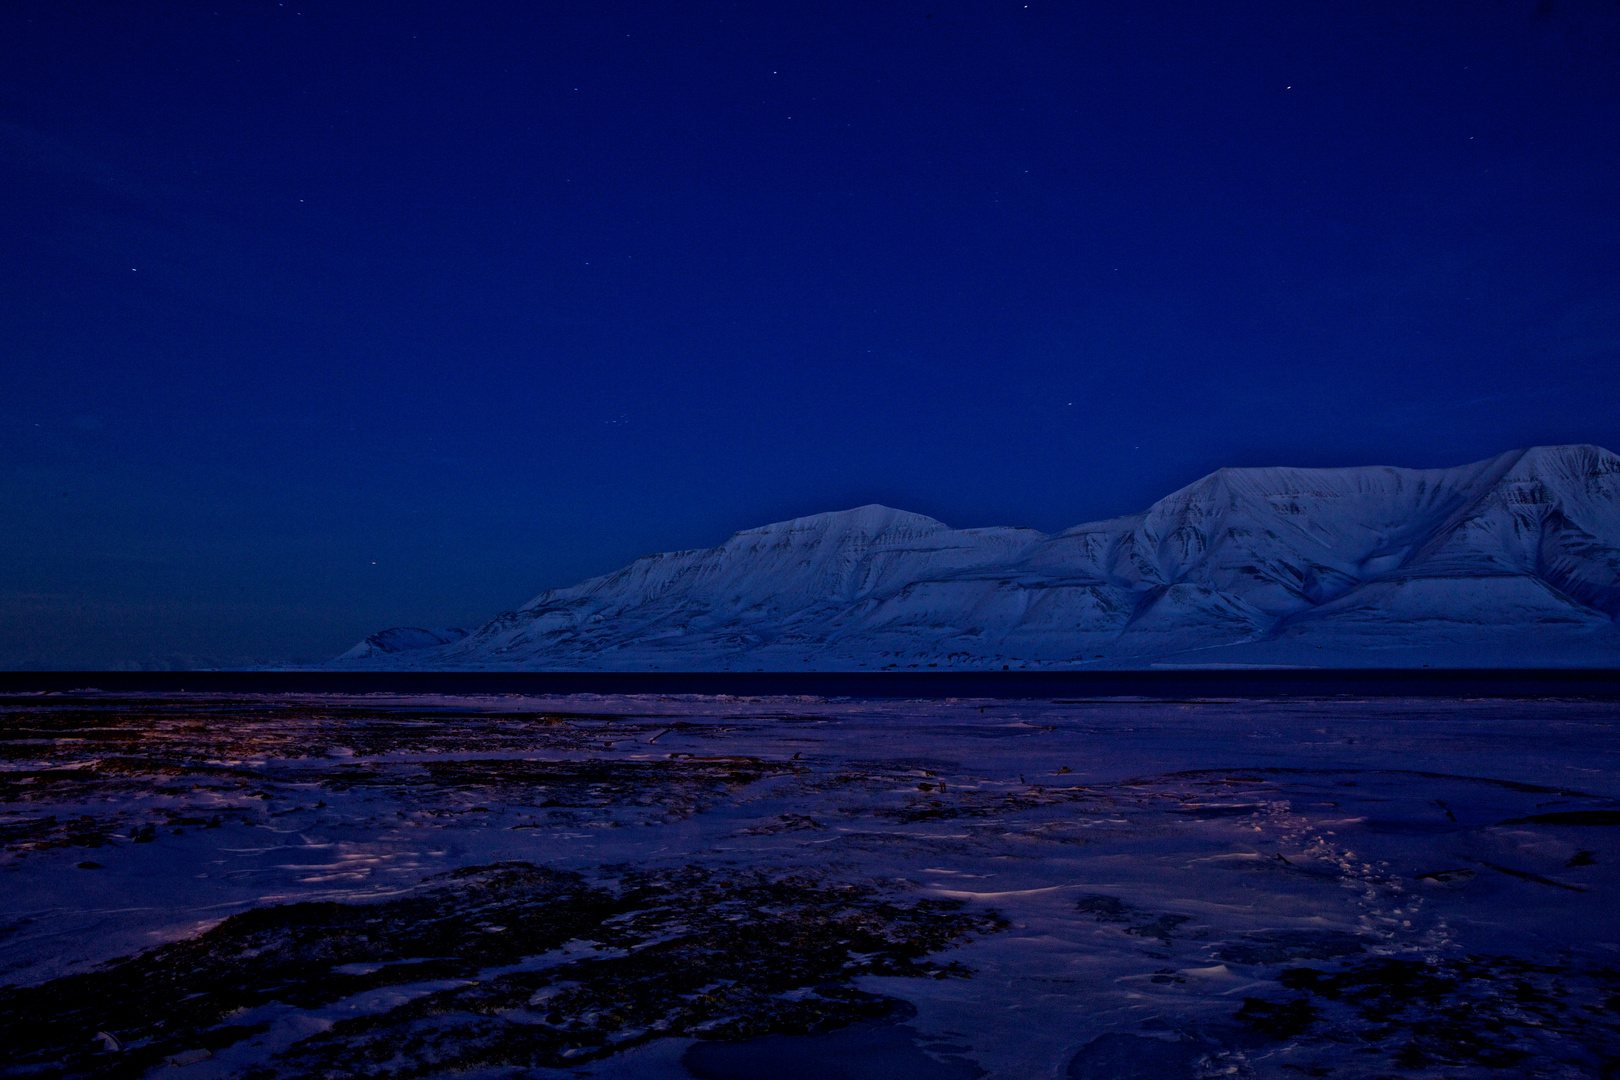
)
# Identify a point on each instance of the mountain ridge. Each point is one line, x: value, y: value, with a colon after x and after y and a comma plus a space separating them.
x: 1509, y: 561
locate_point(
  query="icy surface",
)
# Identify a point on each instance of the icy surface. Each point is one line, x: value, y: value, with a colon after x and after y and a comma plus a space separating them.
x: 719, y: 887
x: 1514, y: 561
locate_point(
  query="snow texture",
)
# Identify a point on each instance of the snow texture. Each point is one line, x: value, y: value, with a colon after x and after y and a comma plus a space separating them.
x: 403, y: 639
x: 277, y: 887
x: 1509, y: 562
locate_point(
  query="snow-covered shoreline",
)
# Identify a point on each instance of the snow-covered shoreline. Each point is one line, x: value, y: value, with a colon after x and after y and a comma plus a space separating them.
x: 1148, y: 868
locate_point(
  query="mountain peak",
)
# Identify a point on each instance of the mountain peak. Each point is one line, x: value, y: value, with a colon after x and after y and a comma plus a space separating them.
x: 872, y: 519
x: 1513, y: 560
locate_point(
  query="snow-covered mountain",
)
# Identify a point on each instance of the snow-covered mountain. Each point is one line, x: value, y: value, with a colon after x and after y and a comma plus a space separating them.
x: 1513, y: 561
x: 400, y: 639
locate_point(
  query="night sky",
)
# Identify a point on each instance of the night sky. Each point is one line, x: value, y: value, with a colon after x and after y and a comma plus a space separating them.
x: 317, y: 317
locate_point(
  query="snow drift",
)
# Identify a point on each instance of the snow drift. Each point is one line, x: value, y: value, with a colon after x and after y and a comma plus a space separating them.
x: 1513, y: 561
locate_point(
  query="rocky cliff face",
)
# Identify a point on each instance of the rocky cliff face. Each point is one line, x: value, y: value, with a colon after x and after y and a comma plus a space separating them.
x: 1514, y: 560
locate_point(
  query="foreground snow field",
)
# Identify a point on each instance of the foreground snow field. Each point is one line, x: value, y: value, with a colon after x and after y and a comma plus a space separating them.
x: 712, y: 887
x: 1509, y: 562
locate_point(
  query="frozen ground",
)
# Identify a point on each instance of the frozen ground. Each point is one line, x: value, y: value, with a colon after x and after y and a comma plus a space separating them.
x: 280, y: 886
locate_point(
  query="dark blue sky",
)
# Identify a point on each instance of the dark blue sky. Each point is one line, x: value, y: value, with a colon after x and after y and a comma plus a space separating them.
x: 322, y: 317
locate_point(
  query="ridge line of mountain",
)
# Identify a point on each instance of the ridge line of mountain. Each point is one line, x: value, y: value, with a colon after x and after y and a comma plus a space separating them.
x: 1372, y: 566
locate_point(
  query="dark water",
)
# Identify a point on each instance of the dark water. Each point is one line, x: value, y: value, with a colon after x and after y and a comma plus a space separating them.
x: 1055, y: 685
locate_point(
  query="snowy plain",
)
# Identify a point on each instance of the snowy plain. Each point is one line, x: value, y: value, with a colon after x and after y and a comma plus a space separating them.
x: 265, y: 886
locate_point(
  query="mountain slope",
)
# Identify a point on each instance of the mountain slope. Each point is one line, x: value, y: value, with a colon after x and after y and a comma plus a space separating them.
x: 400, y: 639
x: 1512, y: 560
